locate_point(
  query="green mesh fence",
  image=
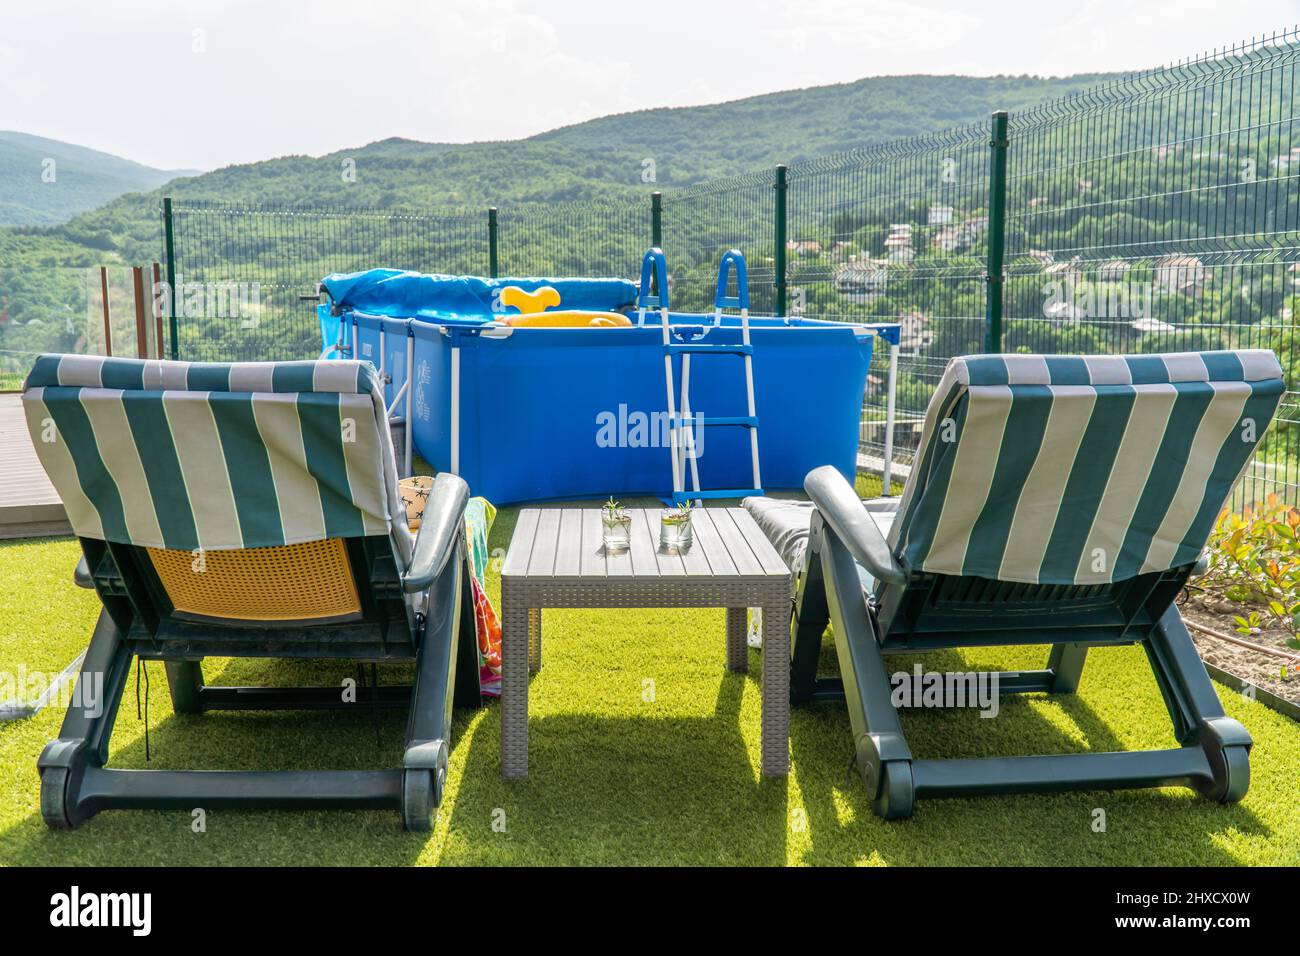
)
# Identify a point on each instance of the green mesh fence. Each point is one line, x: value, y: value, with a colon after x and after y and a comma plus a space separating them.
x: 1160, y: 213
x: 895, y: 234
x: 573, y: 239
x: 246, y: 275
x: 702, y: 222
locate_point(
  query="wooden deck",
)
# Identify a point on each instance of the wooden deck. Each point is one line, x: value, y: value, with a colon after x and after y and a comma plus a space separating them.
x: 29, y: 505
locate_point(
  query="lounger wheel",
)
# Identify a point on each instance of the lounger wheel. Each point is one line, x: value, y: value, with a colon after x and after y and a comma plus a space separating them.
x: 421, y: 796
x: 1237, y: 764
x: 1231, y: 775
x: 895, y: 797
x: 54, y: 798
x: 417, y: 799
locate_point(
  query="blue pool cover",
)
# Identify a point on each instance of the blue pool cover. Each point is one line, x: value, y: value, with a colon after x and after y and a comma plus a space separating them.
x: 413, y: 295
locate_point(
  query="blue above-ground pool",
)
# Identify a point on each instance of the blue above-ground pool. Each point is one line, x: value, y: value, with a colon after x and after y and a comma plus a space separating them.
x: 535, y: 414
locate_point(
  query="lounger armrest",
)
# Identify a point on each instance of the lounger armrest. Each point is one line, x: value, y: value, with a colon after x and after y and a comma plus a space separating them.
x: 436, y: 541
x: 842, y: 510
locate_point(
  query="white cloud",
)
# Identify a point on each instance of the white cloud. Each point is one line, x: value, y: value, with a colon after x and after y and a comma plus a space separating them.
x: 280, y: 77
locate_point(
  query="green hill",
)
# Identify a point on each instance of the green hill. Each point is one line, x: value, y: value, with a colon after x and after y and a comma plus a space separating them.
x: 701, y: 142
x: 602, y: 158
x: 45, y: 181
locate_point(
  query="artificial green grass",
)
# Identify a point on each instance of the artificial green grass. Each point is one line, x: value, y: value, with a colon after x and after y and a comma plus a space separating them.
x: 43, y: 616
x: 622, y: 776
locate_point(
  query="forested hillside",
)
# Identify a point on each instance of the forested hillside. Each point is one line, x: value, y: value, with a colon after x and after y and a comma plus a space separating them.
x: 705, y: 142
x: 46, y: 182
x: 601, y: 158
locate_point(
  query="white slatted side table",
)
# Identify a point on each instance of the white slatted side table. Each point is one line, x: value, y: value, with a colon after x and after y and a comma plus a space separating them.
x: 556, y: 559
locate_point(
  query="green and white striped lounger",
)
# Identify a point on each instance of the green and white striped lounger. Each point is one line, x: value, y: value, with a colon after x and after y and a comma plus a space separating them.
x: 248, y: 509
x: 246, y: 455
x: 1053, y: 500
x: 1081, y: 470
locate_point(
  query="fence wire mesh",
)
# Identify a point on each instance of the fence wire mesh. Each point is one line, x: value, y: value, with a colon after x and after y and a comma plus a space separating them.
x: 242, y: 271
x: 1160, y: 213
x: 702, y: 222
x: 895, y: 234
x: 579, y: 238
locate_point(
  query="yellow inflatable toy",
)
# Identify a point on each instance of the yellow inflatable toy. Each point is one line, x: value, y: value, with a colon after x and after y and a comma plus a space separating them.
x: 532, y: 308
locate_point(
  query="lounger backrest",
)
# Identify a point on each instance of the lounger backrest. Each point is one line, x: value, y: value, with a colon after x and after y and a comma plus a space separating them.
x: 216, y: 456
x: 1080, y: 470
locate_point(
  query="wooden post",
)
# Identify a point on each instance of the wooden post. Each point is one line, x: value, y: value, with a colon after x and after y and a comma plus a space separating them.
x: 158, y: 308
x: 108, y: 330
x: 141, y: 327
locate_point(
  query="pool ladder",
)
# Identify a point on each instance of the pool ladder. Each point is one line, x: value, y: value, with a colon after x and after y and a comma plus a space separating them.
x: 681, y: 427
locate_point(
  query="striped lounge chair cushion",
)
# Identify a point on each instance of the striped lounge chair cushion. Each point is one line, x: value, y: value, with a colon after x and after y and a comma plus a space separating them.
x: 1074, y: 470
x: 216, y: 456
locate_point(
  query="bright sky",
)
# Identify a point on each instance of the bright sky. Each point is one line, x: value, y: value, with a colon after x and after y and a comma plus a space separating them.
x: 180, y: 84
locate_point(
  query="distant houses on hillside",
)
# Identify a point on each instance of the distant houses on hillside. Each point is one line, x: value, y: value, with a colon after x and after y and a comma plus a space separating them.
x: 1283, y: 162
x: 898, y: 244
x: 861, y: 279
x: 804, y: 247
x: 1114, y: 271
x: 1185, y: 274
x: 914, y: 333
x: 960, y: 237
x: 939, y: 216
x: 1115, y: 290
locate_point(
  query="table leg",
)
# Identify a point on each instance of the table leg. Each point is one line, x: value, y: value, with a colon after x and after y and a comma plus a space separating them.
x: 737, y: 646
x: 534, y: 639
x: 775, y: 743
x: 514, y: 682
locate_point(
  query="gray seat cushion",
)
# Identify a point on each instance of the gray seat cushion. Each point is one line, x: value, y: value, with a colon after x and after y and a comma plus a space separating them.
x: 786, y: 522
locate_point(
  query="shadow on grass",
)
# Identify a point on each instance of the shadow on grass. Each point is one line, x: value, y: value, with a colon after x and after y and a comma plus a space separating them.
x: 602, y: 790
x: 615, y: 790
x: 359, y: 738
x: 617, y: 787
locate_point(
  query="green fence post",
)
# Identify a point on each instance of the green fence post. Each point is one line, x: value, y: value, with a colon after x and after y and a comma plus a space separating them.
x: 492, y: 242
x: 997, y: 233
x: 657, y: 219
x: 778, y: 250
x: 169, y: 249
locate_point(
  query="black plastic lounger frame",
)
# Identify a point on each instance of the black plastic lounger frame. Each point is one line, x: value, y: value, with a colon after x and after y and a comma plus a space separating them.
x: 915, y: 611
x: 139, y: 620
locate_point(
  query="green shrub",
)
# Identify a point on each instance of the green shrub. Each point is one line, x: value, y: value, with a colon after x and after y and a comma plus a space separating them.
x: 1255, y: 560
